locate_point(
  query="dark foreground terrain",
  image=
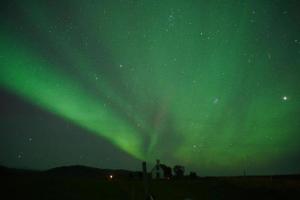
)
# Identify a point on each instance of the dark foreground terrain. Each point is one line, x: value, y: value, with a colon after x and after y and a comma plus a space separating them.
x: 88, y: 183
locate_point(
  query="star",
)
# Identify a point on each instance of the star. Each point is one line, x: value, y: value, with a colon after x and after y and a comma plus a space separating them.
x: 216, y: 100
x: 284, y: 98
x: 19, y: 156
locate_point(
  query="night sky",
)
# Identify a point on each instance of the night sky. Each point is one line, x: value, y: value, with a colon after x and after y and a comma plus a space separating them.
x: 211, y: 85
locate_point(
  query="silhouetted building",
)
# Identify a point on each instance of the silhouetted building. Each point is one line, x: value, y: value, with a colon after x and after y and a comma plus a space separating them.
x: 160, y: 171
x: 157, y: 171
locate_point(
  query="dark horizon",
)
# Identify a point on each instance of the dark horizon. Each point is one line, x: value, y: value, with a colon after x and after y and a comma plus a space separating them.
x: 186, y: 173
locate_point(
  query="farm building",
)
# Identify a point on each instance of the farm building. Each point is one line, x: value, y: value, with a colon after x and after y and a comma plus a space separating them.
x: 161, y: 171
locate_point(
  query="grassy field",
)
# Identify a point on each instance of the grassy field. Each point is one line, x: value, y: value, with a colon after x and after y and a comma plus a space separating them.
x: 36, y: 186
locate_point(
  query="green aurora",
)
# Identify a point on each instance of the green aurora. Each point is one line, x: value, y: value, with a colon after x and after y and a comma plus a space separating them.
x: 213, y: 85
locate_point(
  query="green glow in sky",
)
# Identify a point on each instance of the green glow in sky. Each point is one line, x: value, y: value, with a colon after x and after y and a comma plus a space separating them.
x: 36, y: 81
x: 212, y: 85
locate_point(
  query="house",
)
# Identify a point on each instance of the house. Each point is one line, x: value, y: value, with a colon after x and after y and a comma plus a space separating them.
x: 161, y: 171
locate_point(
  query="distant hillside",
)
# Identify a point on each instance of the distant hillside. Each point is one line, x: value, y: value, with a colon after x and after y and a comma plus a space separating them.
x: 78, y: 170
x: 85, y: 171
x: 70, y: 171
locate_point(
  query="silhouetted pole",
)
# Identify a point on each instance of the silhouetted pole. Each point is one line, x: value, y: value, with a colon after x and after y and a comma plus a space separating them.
x: 145, y: 177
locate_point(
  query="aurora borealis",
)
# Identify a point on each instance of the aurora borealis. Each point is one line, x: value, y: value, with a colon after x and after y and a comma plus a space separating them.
x: 212, y: 85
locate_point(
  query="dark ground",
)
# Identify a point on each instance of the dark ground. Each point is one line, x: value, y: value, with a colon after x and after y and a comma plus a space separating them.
x: 93, y: 184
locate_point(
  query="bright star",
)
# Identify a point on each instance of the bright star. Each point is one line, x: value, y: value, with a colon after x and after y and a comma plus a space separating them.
x: 284, y: 98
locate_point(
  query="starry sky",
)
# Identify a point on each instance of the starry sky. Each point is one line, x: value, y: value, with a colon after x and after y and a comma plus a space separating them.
x: 211, y: 85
